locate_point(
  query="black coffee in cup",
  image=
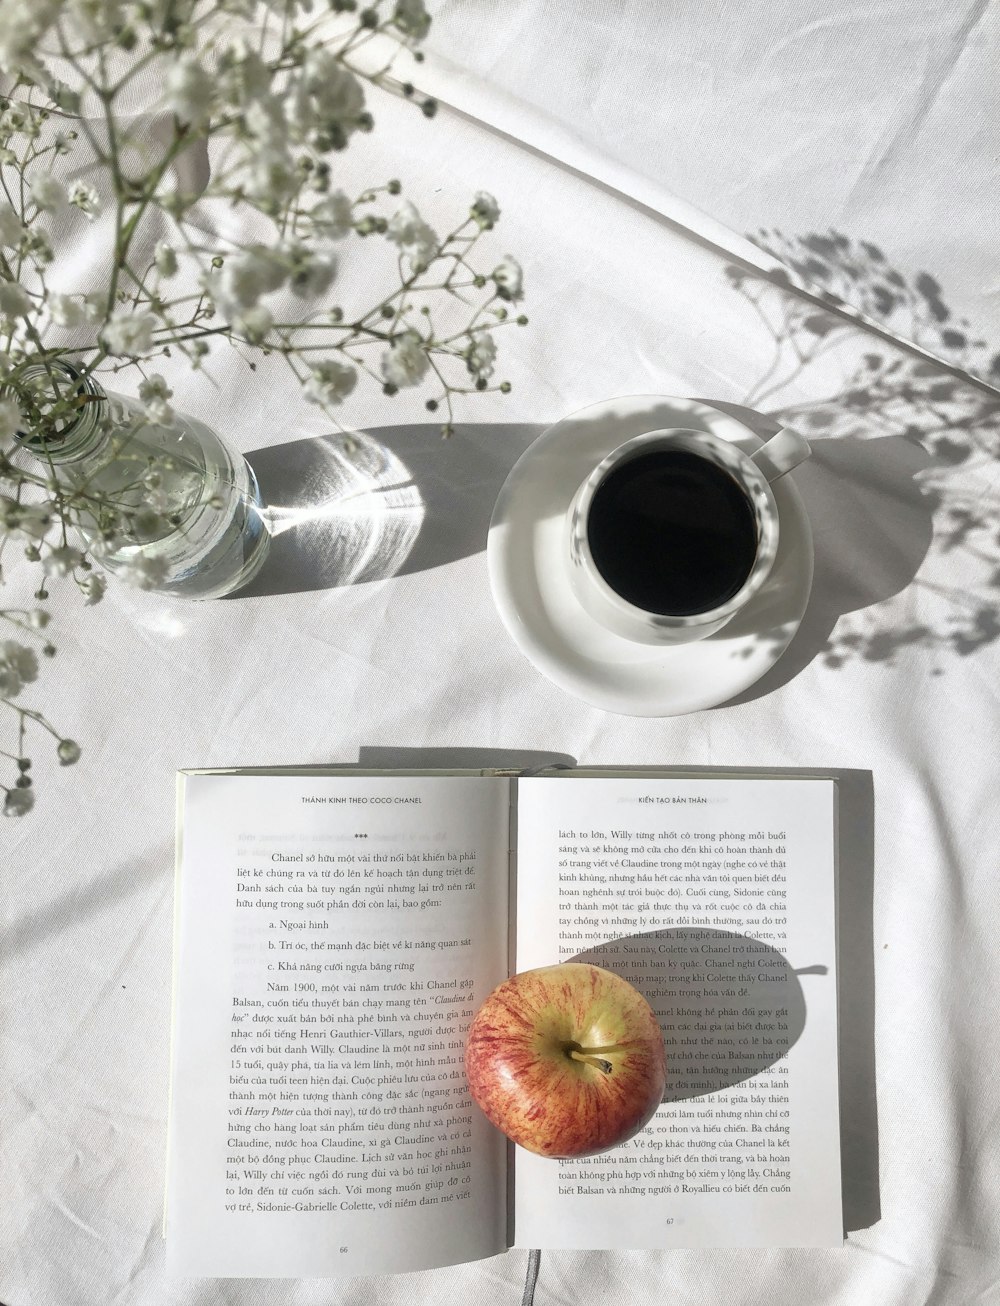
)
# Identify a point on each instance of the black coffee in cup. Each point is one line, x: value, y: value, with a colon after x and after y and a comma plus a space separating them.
x: 672, y: 533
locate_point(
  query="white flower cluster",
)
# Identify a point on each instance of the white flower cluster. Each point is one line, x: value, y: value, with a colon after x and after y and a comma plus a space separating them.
x: 18, y: 802
x: 485, y: 210
x: 277, y: 103
x: 155, y: 395
x: 237, y: 288
x: 23, y: 23
x: 73, y: 310
x: 144, y: 572
x: 48, y: 193
x: 480, y: 357
x: 62, y: 560
x: 319, y: 104
x: 85, y: 198
x: 411, y: 17
x: 326, y: 103
x: 27, y: 521
x: 405, y: 362
x: 11, y: 229
x: 92, y: 588
x: 129, y: 334
x: 508, y: 278
x: 190, y: 91
x: 414, y: 237
x: 18, y: 667
x: 330, y: 382
x: 15, y: 302
x: 333, y: 216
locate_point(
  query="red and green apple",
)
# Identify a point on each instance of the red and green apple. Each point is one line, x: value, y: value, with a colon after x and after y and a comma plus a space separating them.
x: 567, y: 1060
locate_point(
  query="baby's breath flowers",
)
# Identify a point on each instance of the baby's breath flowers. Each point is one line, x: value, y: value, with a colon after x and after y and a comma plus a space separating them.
x: 19, y: 667
x: 281, y: 90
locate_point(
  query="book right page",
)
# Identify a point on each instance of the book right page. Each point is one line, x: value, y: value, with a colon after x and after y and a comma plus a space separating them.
x: 715, y: 897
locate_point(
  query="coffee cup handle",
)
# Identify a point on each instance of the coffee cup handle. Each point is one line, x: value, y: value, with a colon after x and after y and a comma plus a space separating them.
x: 781, y: 453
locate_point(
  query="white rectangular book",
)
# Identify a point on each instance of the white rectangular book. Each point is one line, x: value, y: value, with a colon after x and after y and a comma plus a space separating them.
x: 336, y: 932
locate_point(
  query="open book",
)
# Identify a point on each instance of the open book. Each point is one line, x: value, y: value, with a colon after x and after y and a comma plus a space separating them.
x: 336, y: 932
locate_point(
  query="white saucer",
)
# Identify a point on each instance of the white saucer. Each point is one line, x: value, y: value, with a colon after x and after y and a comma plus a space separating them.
x: 528, y: 573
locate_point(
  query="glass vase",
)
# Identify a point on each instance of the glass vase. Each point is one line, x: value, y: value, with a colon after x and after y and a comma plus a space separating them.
x: 170, y: 505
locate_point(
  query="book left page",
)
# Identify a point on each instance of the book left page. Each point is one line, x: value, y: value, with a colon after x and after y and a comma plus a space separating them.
x: 333, y: 938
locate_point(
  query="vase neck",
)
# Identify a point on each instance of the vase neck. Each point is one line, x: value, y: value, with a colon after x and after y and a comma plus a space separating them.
x: 80, y: 435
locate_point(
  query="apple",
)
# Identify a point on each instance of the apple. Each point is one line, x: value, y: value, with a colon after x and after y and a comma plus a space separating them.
x: 567, y: 1060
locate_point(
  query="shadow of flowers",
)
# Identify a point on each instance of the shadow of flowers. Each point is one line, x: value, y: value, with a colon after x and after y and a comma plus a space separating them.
x: 893, y: 366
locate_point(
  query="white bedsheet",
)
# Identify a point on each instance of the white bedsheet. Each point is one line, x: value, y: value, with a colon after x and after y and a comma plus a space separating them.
x: 603, y: 127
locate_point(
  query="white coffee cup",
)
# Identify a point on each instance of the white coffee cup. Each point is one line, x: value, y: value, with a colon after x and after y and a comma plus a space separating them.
x: 752, y: 474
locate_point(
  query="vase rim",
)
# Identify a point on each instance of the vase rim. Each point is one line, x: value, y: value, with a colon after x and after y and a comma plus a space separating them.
x: 77, y: 437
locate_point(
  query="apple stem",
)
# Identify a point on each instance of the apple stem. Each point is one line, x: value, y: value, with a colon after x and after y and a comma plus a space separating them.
x: 579, y: 1055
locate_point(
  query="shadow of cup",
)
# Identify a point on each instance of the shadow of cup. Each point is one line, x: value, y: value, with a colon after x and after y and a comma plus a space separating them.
x: 873, y: 524
x: 729, y: 1006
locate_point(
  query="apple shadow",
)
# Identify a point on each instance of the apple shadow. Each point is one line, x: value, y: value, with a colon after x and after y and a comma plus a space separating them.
x: 729, y: 1006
